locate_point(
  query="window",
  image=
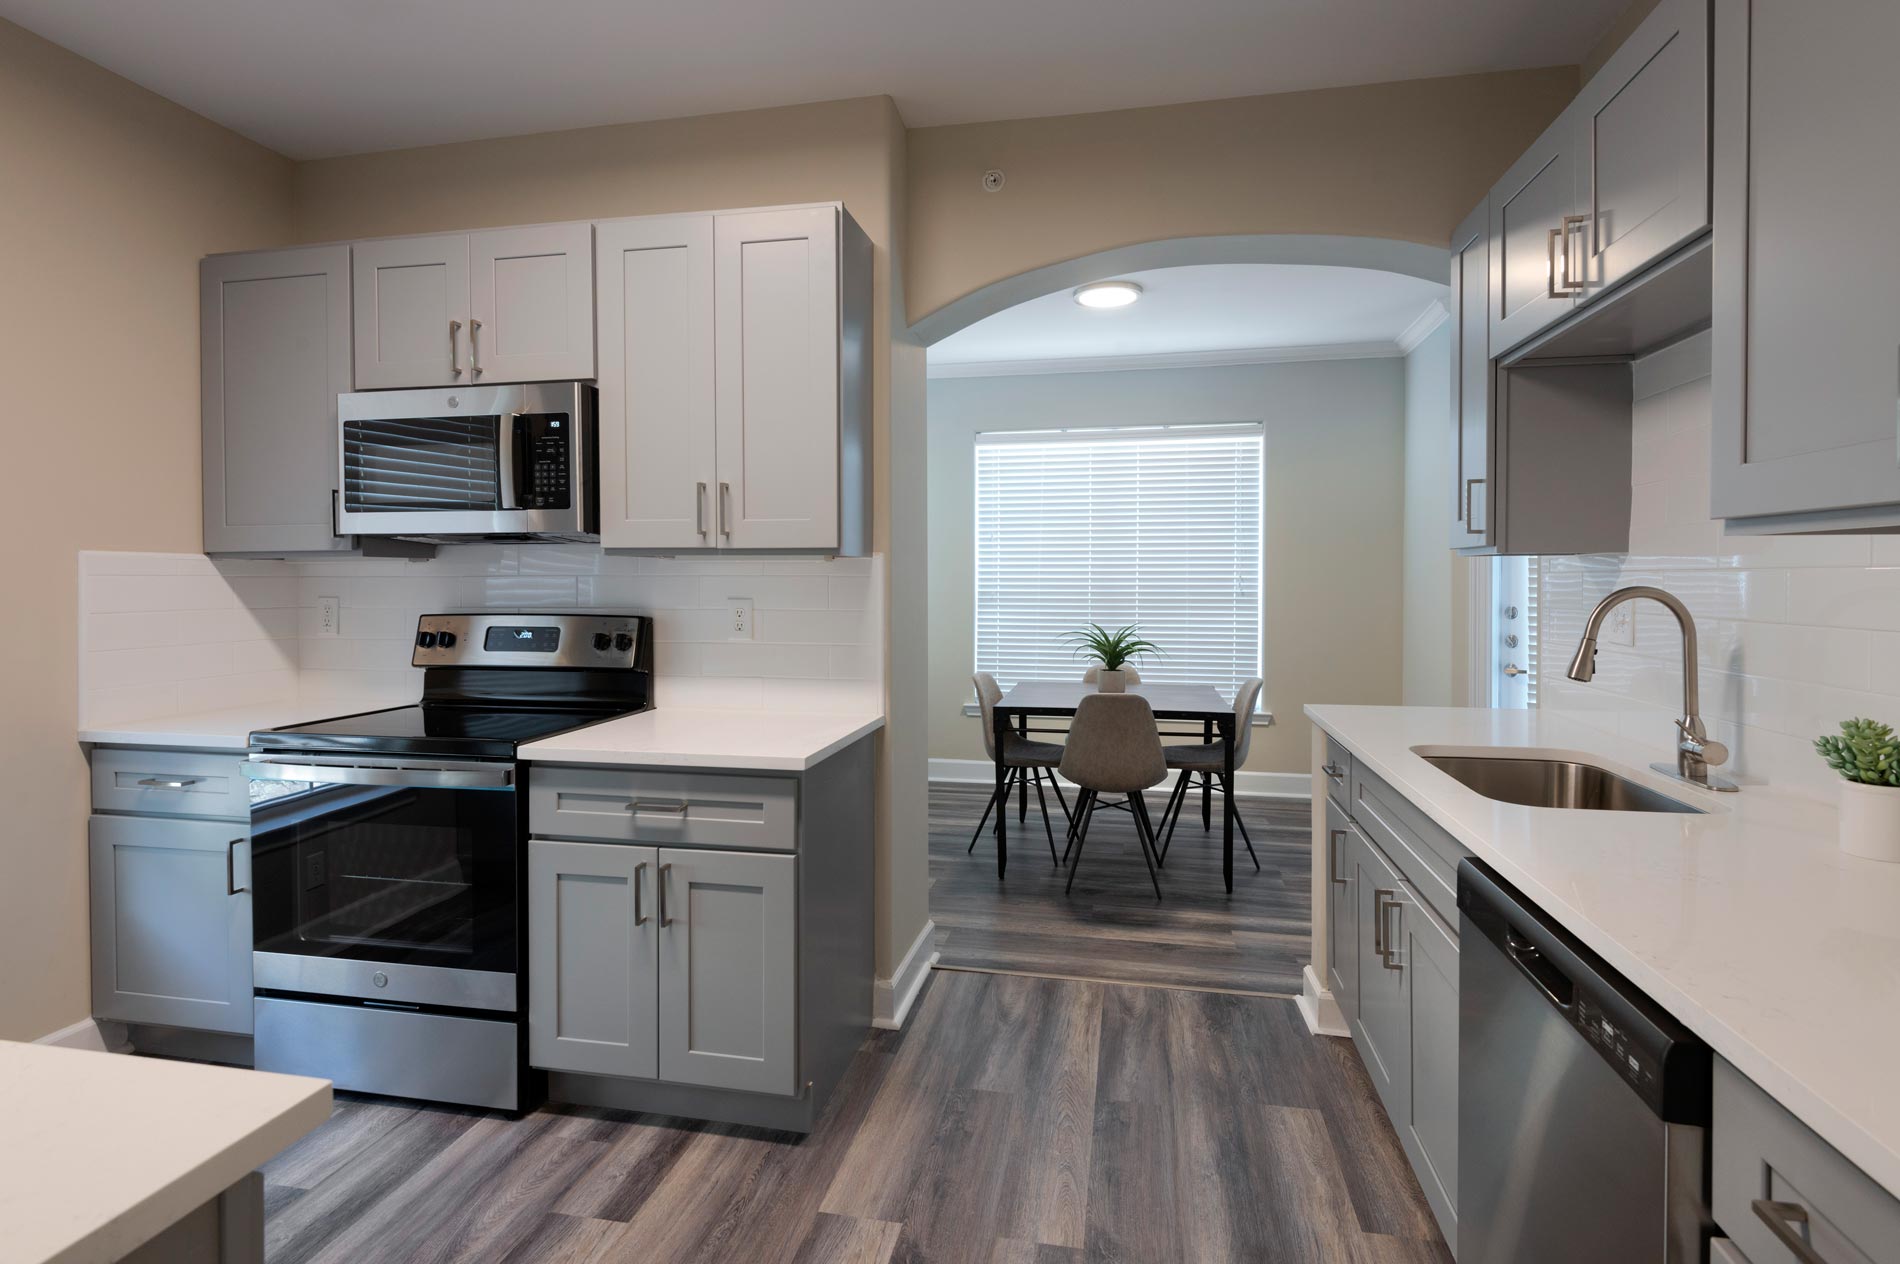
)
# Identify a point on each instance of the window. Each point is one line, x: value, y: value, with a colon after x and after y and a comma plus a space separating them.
x: 1156, y: 526
x: 1515, y: 647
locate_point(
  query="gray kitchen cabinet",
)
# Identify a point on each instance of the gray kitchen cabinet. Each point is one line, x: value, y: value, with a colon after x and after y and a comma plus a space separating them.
x: 1425, y: 951
x: 1807, y: 289
x: 1643, y: 147
x: 469, y: 309
x: 1533, y: 229
x: 171, y: 922
x: 1472, y: 408
x: 1380, y: 1031
x: 1772, y: 1179
x: 654, y: 281
x: 274, y: 354
x: 728, y: 970
x: 1342, y: 912
x: 593, y: 958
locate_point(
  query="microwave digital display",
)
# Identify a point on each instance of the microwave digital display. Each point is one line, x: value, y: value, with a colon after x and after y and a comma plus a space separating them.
x: 521, y: 640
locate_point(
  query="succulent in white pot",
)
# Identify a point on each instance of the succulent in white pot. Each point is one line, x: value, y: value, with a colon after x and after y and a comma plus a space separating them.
x: 1867, y: 756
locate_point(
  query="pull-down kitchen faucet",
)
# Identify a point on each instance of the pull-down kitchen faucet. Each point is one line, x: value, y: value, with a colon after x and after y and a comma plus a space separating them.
x: 1697, y: 752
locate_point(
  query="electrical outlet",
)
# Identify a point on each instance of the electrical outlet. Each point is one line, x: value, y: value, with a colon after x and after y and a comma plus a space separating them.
x: 329, y: 616
x: 1620, y: 627
x: 739, y: 627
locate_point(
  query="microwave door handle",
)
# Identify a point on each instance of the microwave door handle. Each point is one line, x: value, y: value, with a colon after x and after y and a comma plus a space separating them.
x: 508, y: 462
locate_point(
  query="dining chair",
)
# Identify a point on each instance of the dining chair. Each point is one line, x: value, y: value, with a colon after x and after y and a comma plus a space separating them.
x: 1129, y: 674
x: 1203, y: 765
x: 1024, y: 761
x: 1113, y: 749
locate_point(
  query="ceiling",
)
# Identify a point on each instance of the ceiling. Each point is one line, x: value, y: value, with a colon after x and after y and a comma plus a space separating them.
x: 312, y: 78
x: 1206, y: 313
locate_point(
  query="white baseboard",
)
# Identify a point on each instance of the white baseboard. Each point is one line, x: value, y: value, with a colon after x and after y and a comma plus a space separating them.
x: 1317, y: 1006
x: 891, y: 998
x: 1249, y: 785
x: 89, y: 1033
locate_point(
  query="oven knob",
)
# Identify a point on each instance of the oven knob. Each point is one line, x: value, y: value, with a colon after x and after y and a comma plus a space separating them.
x: 603, y: 642
x: 426, y: 640
x: 379, y: 979
x: 445, y: 639
x: 623, y: 642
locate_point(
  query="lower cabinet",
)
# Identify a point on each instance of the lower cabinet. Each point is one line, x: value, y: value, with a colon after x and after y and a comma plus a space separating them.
x: 664, y: 963
x: 1342, y: 911
x: 171, y: 922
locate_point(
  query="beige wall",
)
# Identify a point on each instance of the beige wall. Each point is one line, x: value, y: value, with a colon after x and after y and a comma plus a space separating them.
x: 108, y: 198
x: 852, y: 151
x: 1437, y: 663
x: 1335, y: 453
x: 1404, y: 161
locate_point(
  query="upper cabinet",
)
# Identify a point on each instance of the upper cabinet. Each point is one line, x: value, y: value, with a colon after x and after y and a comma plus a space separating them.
x: 466, y: 309
x: 274, y: 354
x: 734, y: 384
x: 1533, y: 230
x: 1807, y: 287
x: 1471, y: 384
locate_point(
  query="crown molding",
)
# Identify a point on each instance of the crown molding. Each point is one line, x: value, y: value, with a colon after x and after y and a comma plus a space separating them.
x: 1168, y: 360
x: 1435, y: 314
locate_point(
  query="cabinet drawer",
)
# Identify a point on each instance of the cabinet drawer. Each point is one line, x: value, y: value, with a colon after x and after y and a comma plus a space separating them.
x: 1424, y: 852
x: 1338, y: 770
x: 1764, y: 1154
x: 667, y: 808
x: 170, y: 783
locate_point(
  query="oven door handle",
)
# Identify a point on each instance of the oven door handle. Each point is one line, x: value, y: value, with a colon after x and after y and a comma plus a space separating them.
x: 450, y: 777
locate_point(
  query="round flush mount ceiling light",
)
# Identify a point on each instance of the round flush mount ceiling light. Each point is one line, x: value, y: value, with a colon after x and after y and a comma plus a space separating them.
x: 1103, y: 294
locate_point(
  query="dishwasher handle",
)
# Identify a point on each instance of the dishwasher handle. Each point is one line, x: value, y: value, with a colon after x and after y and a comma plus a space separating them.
x: 1535, y: 966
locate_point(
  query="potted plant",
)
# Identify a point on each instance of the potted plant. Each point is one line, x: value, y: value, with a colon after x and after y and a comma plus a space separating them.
x: 1110, y: 652
x: 1867, y: 755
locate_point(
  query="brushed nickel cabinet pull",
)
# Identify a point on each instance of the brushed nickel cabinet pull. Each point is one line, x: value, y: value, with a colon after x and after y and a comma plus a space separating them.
x: 1781, y: 1219
x: 455, y: 350
x: 672, y: 807
x: 1470, y: 522
x: 1337, y: 774
x: 1379, y: 895
x: 474, y: 347
x: 1550, y: 257
x: 699, y: 509
x: 168, y: 783
x: 1574, y: 277
x: 664, y: 919
x: 725, y: 507
x: 1390, y: 954
x: 230, y: 868
x: 1332, y: 865
x: 639, y: 870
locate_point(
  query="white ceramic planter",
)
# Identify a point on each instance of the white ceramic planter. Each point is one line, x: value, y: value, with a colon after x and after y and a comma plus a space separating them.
x: 1111, y: 681
x: 1870, y: 821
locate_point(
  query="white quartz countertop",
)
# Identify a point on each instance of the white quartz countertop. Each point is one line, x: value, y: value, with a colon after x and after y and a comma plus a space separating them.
x: 100, y: 1152
x: 706, y: 737
x: 1748, y: 924
x: 203, y: 730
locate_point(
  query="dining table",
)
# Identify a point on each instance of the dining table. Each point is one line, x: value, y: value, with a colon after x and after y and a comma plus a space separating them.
x: 1200, y: 705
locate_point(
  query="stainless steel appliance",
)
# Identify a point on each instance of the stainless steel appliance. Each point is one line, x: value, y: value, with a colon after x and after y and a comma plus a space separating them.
x: 388, y: 854
x: 1583, y: 1108
x: 457, y: 462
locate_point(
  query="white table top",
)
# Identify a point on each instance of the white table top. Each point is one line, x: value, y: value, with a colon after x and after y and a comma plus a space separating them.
x: 708, y: 737
x: 100, y: 1152
x: 1748, y: 924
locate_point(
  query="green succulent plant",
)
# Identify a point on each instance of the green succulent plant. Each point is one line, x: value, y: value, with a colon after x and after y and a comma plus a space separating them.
x: 1111, y: 649
x: 1866, y: 752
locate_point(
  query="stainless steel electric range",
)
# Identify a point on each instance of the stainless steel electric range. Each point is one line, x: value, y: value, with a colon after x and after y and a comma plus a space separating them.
x: 389, y: 859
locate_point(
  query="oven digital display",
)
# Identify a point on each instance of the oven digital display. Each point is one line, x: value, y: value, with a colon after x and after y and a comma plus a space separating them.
x: 522, y: 640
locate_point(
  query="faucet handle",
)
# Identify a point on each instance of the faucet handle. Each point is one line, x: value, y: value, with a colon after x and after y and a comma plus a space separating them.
x: 1701, y: 745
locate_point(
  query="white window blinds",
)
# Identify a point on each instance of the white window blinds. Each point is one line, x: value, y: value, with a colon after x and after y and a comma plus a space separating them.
x: 1158, y: 527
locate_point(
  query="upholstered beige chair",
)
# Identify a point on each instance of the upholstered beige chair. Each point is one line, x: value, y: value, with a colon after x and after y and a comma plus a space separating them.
x: 1129, y: 674
x: 1113, y: 749
x: 1024, y: 762
x: 1202, y: 766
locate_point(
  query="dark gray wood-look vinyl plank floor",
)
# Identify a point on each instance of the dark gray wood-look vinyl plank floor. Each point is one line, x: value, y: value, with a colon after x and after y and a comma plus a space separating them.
x: 1111, y: 926
x: 1014, y: 1119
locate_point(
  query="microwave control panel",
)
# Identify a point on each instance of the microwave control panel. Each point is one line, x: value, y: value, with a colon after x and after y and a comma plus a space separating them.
x: 548, y: 483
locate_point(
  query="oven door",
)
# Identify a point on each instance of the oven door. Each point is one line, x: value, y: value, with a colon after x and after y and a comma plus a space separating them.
x: 386, y: 881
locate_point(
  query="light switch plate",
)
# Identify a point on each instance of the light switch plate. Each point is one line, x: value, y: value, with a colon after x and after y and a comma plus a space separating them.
x: 329, y: 616
x: 739, y: 623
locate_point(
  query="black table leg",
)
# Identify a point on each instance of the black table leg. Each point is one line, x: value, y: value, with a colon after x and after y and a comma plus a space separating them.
x: 1207, y: 789
x: 1022, y: 786
x: 1002, y: 794
x: 1228, y: 737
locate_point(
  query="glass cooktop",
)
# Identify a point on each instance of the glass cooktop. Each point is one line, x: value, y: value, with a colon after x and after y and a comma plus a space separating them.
x: 447, y: 731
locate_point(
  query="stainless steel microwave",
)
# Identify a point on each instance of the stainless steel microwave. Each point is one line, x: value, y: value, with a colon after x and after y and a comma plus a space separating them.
x: 458, y: 463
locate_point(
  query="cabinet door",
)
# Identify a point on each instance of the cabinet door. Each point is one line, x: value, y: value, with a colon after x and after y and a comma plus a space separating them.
x: 1807, y: 284
x: 655, y: 299
x: 531, y: 304
x: 412, y: 312
x: 593, y: 962
x: 274, y: 354
x: 1471, y: 394
x: 171, y: 922
x: 1427, y: 956
x: 777, y: 356
x: 1643, y: 142
x: 1342, y: 912
x: 1530, y: 283
x: 728, y: 970
x: 1381, y: 1030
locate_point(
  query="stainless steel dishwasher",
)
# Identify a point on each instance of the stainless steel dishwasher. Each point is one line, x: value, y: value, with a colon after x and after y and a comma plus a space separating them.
x: 1583, y: 1108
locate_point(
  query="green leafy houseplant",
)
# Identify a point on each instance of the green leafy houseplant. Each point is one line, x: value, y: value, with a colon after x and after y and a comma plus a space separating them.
x: 1866, y: 753
x: 1110, y: 649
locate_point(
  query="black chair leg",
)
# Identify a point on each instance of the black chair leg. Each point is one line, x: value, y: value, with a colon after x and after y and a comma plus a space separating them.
x: 1172, y: 813
x: 1075, y: 823
x: 1144, y: 834
x: 1043, y: 803
x: 1207, y: 802
x: 987, y: 809
x: 1245, y: 837
x: 1022, y: 796
x: 1081, y: 837
x: 1055, y: 784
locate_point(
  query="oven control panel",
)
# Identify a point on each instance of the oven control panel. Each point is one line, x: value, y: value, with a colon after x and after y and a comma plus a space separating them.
x: 521, y: 639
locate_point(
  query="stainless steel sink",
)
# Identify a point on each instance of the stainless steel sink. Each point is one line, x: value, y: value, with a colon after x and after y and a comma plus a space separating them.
x: 1553, y: 783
